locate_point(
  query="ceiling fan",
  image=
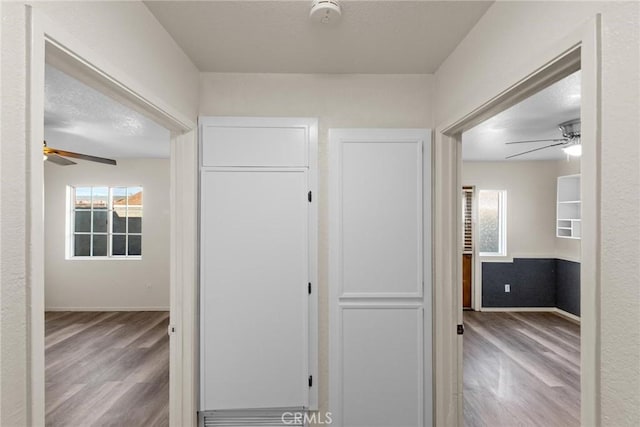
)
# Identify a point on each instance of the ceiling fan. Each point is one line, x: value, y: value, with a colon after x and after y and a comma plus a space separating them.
x: 59, y: 157
x: 570, y: 140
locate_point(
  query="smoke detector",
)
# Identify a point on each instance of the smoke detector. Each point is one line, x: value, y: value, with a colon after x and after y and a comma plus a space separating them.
x: 326, y: 12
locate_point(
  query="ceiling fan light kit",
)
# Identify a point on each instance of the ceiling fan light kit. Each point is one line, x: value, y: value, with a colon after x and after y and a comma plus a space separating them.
x: 326, y: 12
x: 570, y: 141
x: 574, y: 150
x: 570, y: 129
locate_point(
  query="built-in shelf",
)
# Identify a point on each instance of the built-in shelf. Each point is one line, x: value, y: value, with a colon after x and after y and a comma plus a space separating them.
x: 569, y: 207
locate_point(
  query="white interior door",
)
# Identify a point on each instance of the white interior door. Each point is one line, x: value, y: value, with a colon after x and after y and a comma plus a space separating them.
x: 255, y: 257
x: 258, y: 262
x: 380, y: 288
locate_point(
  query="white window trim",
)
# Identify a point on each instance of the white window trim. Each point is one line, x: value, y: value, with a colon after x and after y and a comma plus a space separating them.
x: 502, y: 226
x: 70, y: 227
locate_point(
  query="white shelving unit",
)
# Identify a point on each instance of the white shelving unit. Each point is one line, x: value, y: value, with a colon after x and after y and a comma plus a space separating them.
x: 569, y: 207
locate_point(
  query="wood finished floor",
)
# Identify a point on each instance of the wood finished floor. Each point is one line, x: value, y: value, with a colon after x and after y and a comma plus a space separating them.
x: 107, y: 369
x: 521, y: 369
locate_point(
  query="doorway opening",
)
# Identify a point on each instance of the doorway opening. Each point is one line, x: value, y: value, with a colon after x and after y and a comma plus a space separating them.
x: 106, y: 253
x: 579, y: 50
x: 521, y: 176
x: 50, y: 46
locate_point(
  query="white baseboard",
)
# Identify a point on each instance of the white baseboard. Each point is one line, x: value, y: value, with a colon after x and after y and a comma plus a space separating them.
x: 568, y: 258
x: 506, y: 309
x: 106, y: 309
x: 567, y: 315
x: 512, y: 257
x: 554, y: 310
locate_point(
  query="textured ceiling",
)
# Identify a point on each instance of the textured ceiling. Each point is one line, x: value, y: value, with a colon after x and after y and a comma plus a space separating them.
x: 81, y: 119
x: 379, y: 37
x: 537, y: 117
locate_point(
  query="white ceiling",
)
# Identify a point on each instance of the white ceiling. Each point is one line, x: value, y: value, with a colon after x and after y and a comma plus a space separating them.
x: 537, y: 117
x: 81, y: 119
x: 377, y: 37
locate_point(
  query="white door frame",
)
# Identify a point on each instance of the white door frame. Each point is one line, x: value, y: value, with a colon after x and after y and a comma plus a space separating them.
x: 47, y: 39
x: 579, y: 50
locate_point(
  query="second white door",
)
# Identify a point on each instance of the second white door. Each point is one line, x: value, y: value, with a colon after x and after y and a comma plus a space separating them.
x: 380, y: 288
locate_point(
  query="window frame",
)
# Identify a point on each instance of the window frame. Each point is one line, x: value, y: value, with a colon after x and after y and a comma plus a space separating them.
x: 502, y: 224
x: 109, y: 233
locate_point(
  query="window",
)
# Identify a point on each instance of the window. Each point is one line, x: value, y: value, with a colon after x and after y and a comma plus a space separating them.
x: 105, y: 222
x: 492, y: 222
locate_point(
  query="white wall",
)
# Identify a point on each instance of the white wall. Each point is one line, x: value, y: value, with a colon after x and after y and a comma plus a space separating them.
x: 126, y: 35
x: 13, y: 219
x: 129, y: 37
x: 496, y: 54
x: 531, y: 202
x: 108, y: 284
x: 337, y: 101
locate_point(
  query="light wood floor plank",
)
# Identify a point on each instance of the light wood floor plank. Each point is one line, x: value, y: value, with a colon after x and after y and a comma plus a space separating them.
x: 521, y: 369
x: 107, y: 369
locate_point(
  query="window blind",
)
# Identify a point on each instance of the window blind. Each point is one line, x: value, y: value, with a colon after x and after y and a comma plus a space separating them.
x: 467, y: 219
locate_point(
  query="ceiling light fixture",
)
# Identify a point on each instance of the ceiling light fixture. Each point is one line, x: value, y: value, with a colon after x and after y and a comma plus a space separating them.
x: 570, y: 141
x: 574, y: 150
x: 326, y: 12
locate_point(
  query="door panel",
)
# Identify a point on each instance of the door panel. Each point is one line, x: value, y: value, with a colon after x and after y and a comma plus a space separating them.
x: 383, y: 362
x: 379, y: 237
x: 254, y: 301
x: 382, y: 218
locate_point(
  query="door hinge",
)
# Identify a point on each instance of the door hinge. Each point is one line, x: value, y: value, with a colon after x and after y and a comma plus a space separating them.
x: 310, y: 380
x: 171, y: 330
x: 309, y: 288
x: 460, y: 329
x: 309, y: 196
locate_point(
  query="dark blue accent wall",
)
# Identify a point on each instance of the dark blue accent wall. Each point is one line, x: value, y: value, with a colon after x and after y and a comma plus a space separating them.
x: 532, y: 283
x: 535, y: 282
x: 568, y: 286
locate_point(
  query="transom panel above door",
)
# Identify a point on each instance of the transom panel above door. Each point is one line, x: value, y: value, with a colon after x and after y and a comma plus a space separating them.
x: 235, y: 144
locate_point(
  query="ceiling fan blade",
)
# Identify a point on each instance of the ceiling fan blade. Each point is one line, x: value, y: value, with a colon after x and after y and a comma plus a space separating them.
x: 536, y: 140
x: 48, y: 151
x: 58, y: 160
x: 536, y: 149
